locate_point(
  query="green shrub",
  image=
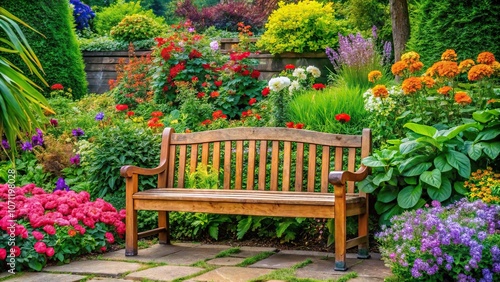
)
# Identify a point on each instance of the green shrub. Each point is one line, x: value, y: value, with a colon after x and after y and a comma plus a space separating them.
x: 307, y: 26
x: 135, y: 27
x: 317, y: 110
x: 463, y: 26
x: 57, y: 49
x: 106, y: 43
x: 110, y: 16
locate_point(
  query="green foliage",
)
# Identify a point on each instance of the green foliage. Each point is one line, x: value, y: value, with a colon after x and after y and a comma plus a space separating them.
x: 463, y: 26
x: 57, y: 49
x: 486, y: 141
x: 110, y: 16
x: 204, y: 177
x: 306, y: 26
x: 21, y: 103
x: 317, y: 109
x: 136, y: 27
x: 106, y: 43
x: 429, y: 164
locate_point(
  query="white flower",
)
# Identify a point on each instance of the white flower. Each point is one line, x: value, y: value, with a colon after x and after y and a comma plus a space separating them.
x: 295, y: 85
x: 300, y: 73
x: 278, y: 83
x: 214, y: 45
x: 314, y: 71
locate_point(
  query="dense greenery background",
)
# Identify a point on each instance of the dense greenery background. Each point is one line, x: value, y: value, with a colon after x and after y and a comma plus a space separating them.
x: 58, y: 50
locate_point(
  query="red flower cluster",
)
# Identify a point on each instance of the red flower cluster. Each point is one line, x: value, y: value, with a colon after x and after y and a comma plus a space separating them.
x: 57, y: 86
x: 218, y: 83
x: 175, y: 70
x: 218, y: 114
x: 291, y: 124
x: 343, y: 118
x: 265, y: 91
x: 194, y: 54
x: 239, y: 56
x: 252, y: 101
x: 121, y: 107
x: 206, y: 122
x: 249, y: 113
x: 214, y: 94
x: 255, y: 74
x: 155, y: 122
x: 130, y: 113
x: 318, y: 86
x: 157, y: 114
x: 200, y: 95
x: 289, y: 67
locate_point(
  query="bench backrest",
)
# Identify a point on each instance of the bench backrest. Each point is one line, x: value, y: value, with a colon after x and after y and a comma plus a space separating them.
x: 264, y: 158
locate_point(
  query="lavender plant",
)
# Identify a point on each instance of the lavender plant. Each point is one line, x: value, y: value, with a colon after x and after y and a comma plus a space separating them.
x: 459, y: 242
x: 356, y: 57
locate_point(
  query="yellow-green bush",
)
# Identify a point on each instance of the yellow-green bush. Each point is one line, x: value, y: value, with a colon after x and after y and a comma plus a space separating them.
x: 306, y: 26
x: 136, y: 27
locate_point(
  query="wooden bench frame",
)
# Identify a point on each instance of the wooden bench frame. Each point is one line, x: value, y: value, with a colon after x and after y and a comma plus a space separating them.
x: 182, y: 151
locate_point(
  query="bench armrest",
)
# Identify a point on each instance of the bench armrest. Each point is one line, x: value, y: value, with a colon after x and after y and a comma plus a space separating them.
x: 340, y: 177
x: 129, y: 170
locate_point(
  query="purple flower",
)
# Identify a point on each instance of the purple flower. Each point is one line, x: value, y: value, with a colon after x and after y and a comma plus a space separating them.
x: 99, y: 116
x: 37, y: 139
x: 61, y: 185
x: 5, y: 144
x: 77, y: 132
x: 26, y: 146
x: 75, y: 159
x: 191, y: 29
x: 214, y: 45
x: 54, y: 122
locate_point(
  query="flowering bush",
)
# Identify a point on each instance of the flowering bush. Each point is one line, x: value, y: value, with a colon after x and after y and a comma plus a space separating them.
x: 306, y: 26
x: 484, y: 185
x: 136, y: 27
x: 82, y: 13
x: 188, y: 60
x: 459, y: 242
x: 53, y: 226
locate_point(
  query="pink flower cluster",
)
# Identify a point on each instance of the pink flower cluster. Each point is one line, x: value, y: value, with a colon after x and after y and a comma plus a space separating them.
x: 45, y: 211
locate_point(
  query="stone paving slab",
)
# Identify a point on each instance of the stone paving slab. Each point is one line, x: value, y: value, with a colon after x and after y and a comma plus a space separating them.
x: 107, y: 279
x: 97, y: 267
x: 280, y: 260
x: 231, y: 274
x: 189, y: 256
x: 41, y: 276
x: 164, y: 273
x: 226, y: 261
x: 146, y: 255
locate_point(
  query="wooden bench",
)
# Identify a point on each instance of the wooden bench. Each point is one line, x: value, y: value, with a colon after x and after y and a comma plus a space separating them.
x: 266, y: 172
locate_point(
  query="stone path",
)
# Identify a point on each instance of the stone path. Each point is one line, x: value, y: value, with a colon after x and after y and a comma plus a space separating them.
x: 197, y: 262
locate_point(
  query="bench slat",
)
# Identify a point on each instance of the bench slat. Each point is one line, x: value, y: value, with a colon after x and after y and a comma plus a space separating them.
x: 205, y: 150
x: 251, y: 165
x: 262, y: 165
x: 351, y: 163
x: 287, y: 156
x: 194, y: 158
x: 182, y: 166
x: 325, y: 168
x: 171, y: 165
x: 239, y: 165
x: 275, y: 165
x: 227, y: 164
x: 299, y: 167
x: 267, y: 133
x: 216, y: 157
x: 311, y: 170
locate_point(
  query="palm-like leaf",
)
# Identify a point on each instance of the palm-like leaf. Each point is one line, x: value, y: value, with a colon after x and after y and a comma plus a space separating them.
x: 20, y: 99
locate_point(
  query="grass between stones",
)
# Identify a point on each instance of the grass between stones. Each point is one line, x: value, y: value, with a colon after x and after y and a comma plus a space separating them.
x: 228, y: 252
x: 254, y: 259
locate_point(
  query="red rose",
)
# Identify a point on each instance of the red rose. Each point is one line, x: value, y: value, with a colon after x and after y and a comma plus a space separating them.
x: 40, y: 247
x: 214, y: 94
x: 245, y: 72
x: 50, y: 252
x: 57, y: 86
x: 290, y: 124
x: 204, y: 84
x: 200, y: 95
x: 49, y: 229
x: 38, y: 235
x: 343, y: 118
x: 16, y: 251
x: 121, y: 107
x: 130, y: 113
x: 194, y: 54
x: 165, y: 54
x: 218, y: 83
x: 318, y: 86
x: 3, y: 253
x: 265, y: 91
x: 255, y: 74
x: 289, y: 67
x: 109, y: 237
x: 252, y: 101
x: 299, y: 125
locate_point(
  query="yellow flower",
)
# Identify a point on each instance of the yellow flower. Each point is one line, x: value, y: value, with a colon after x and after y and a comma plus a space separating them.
x: 465, y: 65
x: 449, y: 55
x: 374, y: 76
x: 410, y: 57
x: 380, y: 91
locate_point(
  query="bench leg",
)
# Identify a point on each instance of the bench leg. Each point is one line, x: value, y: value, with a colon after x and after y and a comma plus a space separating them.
x: 363, y: 250
x: 164, y: 236
x: 340, y: 229
x: 131, y: 232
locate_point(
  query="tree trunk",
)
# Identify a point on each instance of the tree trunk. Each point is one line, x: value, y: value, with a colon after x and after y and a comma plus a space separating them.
x: 400, y: 26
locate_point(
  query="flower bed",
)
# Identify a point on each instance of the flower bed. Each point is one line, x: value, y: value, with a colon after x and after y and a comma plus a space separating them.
x: 454, y: 243
x: 37, y: 227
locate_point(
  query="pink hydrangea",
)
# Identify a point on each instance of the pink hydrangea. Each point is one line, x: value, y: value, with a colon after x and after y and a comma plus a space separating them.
x: 50, y: 251
x: 3, y: 253
x: 40, y: 247
x: 109, y: 237
x: 49, y: 229
x: 38, y: 235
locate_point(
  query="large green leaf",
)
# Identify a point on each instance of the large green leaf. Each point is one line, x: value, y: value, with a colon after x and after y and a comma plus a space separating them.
x: 366, y: 185
x: 412, y: 162
x: 459, y: 187
x: 431, y: 141
x: 408, y: 147
x: 409, y: 196
x: 442, y: 164
x: 381, y: 207
x: 421, y: 129
x: 372, y: 161
x: 460, y: 162
x: 475, y: 151
x: 379, y: 178
x: 442, y: 193
x: 491, y: 149
x: 486, y: 116
x: 432, y: 177
x: 387, y: 194
x: 488, y: 134
x: 454, y: 131
x: 417, y: 169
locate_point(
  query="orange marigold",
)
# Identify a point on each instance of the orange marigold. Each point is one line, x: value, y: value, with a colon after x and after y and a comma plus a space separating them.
x: 449, y: 55
x: 411, y: 85
x: 427, y: 81
x: 445, y: 90
x: 485, y: 58
x: 398, y: 67
x: 465, y: 65
x: 416, y: 66
x: 496, y: 67
x: 410, y: 57
x: 462, y: 98
x: 478, y: 72
x: 380, y: 91
x: 444, y: 69
x: 374, y: 76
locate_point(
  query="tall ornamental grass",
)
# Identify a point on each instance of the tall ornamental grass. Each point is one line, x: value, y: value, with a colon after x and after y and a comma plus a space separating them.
x: 318, y: 110
x: 356, y: 57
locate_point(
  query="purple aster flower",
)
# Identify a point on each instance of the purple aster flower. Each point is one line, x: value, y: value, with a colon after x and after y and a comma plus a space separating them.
x: 75, y: 159
x: 5, y: 144
x: 37, y: 139
x: 99, y: 116
x: 61, y: 185
x: 26, y: 146
x: 77, y: 132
